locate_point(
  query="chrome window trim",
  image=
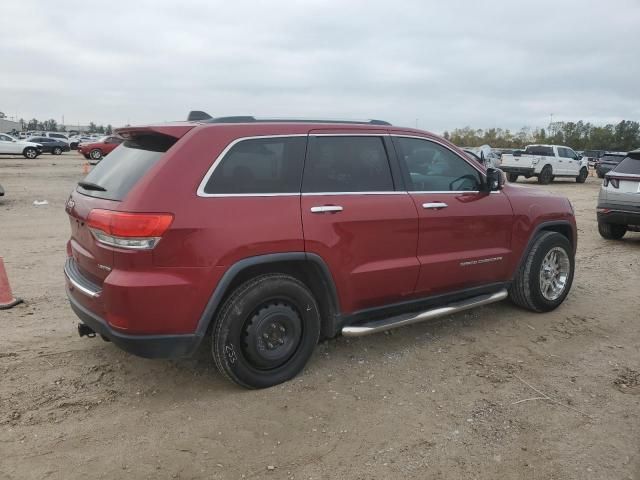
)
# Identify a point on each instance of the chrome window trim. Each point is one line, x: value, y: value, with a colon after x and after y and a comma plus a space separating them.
x: 393, y: 192
x: 201, y: 193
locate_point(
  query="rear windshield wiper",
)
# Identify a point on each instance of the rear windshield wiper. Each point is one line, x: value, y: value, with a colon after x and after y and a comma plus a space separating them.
x: 92, y: 186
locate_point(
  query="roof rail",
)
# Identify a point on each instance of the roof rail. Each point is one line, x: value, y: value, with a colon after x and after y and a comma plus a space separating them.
x: 200, y: 116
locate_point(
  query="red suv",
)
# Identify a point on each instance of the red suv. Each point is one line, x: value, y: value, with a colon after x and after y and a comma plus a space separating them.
x: 101, y: 148
x: 269, y: 235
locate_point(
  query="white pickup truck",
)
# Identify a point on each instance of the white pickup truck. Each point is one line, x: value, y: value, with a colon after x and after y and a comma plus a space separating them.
x: 545, y: 162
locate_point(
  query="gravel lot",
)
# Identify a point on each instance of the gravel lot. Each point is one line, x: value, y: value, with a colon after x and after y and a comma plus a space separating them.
x: 456, y: 398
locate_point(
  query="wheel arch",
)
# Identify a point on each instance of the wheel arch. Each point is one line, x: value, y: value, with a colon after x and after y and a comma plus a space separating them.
x: 309, y: 268
x: 563, y: 227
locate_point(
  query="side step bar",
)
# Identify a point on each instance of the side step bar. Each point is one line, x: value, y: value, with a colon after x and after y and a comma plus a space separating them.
x: 376, y: 326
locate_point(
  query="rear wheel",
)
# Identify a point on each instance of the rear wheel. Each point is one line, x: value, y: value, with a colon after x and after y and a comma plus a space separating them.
x: 30, y: 153
x: 600, y: 174
x: 546, y: 175
x: 57, y: 151
x: 512, y: 177
x: 611, y: 231
x: 545, y: 276
x: 95, y: 154
x: 582, y: 177
x: 266, y: 331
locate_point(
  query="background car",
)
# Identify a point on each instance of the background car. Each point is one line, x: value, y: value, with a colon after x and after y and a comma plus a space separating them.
x: 51, y: 145
x: 101, y: 148
x: 1, y: 191
x: 593, y: 156
x: 13, y: 146
x: 608, y: 161
x: 619, y: 199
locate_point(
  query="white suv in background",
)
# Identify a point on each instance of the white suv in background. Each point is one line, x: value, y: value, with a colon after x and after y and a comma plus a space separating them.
x: 12, y: 146
x: 546, y: 162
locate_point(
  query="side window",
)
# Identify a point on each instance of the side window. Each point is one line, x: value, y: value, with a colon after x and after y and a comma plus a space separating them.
x: 347, y: 164
x: 261, y: 165
x: 562, y: 152
x: 434, y: 168
x: 4, y: 138
x: 117, y: 140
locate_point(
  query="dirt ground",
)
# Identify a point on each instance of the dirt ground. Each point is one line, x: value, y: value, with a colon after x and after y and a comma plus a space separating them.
x: 492, y: 393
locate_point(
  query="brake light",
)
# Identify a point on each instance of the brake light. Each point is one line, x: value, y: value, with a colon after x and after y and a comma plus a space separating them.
x: 614, y: 182
x: 138, y: 231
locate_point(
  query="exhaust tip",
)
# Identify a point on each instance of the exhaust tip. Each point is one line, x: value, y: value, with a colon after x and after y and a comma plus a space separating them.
x: 85, y: 331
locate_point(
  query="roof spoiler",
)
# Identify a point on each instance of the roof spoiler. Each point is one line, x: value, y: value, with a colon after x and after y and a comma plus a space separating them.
x: 197, y: 115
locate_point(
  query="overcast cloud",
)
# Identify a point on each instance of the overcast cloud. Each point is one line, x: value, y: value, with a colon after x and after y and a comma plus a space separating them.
x: 446, y: 64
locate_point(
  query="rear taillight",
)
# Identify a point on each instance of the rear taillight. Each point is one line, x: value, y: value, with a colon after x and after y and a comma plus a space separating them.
x: 136, y: 231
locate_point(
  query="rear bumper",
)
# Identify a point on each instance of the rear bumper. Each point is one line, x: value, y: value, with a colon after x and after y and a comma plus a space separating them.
x: 148, y: 346
x: 618, y: 214
x: 527, y: 171
x: 86, y: 298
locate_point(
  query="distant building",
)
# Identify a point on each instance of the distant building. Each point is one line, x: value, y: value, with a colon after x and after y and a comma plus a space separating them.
x: 9, y: 125
x: 75, y: 128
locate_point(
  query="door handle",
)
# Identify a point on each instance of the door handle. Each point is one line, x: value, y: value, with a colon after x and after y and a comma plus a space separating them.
x: 326, y: 209
x: 434, y: 205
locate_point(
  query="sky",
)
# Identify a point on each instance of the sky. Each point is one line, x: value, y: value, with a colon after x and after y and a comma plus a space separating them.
x: 432, y: 64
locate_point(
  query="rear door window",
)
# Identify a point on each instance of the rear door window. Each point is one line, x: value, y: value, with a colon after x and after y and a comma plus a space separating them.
x: 344, y: 164
x: 117, y: 173
x: 270, y: 165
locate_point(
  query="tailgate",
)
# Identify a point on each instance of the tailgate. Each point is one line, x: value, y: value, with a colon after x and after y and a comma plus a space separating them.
x: 92, y: 259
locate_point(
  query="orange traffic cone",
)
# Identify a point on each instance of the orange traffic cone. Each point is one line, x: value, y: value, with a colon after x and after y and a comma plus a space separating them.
x: 85, y: 168
x: 7, y: 300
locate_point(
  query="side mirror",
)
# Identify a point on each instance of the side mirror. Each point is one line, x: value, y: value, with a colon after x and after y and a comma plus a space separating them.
x: 495, y: 179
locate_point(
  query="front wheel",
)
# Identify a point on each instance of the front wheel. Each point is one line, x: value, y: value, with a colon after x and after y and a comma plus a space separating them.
x: 584, y: 173
x: 546, y: 176
x: 545, y: 276
x: 512, y: 177
x: 266, y: 331
x: 57, y: 151
x: 30, y: 153
x: 611, y: 231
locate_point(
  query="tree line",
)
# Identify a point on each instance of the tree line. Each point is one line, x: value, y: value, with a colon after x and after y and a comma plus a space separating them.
x: 622, y: 137
x: 52, y: 126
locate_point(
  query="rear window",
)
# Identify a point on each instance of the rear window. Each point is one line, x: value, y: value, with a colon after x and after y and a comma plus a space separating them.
x: 628, y: 165
x: 260, y: 166
x: 118, y: 172
x: 539, y: 150
x: 347, y: 164
x: 612, y: 158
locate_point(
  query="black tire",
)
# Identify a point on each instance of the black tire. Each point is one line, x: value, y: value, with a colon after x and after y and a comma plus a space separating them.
x: 584, y: 173
x: 512, y: 177
x: 95, y: 154
x: 611, y: 231
x: 600, y: 174
x: 56, y: 151
x: 526, y: 289
x: 266, y: 331
x: 546, y: 175
x: 30, y: 153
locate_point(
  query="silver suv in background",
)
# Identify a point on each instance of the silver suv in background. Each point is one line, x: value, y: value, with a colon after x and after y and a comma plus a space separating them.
x: 619, y: 199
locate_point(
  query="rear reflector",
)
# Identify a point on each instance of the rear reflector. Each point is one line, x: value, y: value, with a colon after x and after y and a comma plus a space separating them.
x: 139, y: 231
